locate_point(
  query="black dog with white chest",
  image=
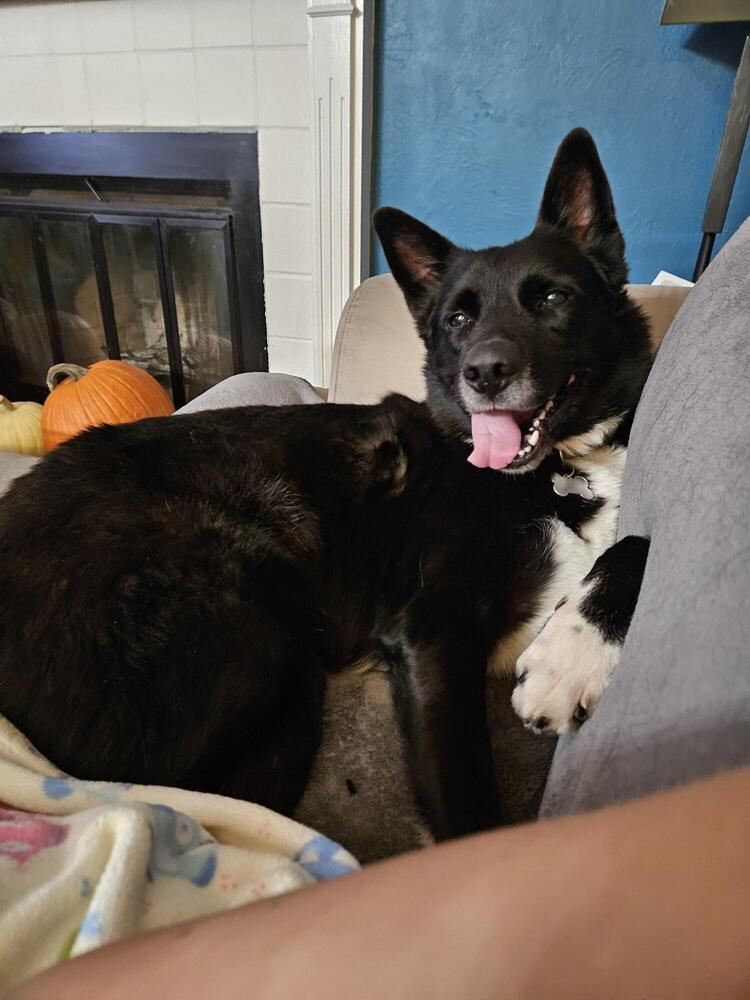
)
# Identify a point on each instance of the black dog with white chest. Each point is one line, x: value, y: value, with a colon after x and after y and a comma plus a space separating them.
x: 177, y: 589
x: 537, y: 347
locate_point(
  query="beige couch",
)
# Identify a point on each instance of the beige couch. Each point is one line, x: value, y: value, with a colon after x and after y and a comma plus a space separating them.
x: 377, y: 348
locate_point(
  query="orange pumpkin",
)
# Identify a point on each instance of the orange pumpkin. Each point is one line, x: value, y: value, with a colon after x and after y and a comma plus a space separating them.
x: 109, y: 392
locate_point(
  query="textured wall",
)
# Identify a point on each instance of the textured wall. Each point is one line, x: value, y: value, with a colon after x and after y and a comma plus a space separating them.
x: 472, y: 97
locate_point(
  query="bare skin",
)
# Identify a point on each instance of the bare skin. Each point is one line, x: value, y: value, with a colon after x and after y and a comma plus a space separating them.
x: 637, y: 902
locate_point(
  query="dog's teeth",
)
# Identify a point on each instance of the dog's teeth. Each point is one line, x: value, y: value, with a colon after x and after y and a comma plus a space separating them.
x: 571, y: 380
x: 533, y: 438
x: 535, y: 423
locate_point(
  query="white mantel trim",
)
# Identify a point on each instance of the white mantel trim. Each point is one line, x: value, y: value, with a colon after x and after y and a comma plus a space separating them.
x: 339, y: 119
x: 330, y: 10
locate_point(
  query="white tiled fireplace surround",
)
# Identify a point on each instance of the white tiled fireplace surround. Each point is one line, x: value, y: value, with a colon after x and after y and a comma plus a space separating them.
x: 194, y: 64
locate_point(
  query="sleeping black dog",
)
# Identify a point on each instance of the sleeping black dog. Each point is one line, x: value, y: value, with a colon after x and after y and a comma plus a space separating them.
x: 176, y: 590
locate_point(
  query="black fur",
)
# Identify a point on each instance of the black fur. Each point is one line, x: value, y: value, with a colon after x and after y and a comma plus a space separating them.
x: 617, y: 576
x: 175, y: 590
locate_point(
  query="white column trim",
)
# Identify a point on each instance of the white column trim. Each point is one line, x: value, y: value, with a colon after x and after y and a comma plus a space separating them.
x: 329, y: 9
x: 339, y: 118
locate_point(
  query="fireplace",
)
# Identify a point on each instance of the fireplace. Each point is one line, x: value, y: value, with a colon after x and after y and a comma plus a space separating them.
x: 140, y: 246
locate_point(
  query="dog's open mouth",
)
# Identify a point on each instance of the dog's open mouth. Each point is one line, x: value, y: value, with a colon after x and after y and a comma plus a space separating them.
x: 511, y: 439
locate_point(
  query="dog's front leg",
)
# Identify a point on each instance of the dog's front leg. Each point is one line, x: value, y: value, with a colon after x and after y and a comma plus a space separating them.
x: 439, y: 683
x: 564, y: 672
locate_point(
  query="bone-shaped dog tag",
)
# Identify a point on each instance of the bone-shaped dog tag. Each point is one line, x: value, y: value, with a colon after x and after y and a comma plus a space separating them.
x: 565, y: 485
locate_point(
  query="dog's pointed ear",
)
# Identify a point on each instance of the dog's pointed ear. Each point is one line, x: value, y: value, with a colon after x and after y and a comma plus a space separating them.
x: 416, y: 254
x: 577, y: 200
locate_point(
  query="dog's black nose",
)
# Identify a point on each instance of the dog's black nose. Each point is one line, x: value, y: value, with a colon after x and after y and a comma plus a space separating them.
x: 489, y: 365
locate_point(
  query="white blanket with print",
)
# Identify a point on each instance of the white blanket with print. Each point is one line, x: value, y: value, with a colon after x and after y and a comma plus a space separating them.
x: 86, y: 863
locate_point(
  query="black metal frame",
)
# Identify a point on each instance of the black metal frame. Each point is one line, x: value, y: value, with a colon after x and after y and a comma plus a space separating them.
x: 197, y: 158
x: 727, y: 162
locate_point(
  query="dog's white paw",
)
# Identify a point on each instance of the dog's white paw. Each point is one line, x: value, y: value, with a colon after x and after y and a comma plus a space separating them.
x: 563, y: 673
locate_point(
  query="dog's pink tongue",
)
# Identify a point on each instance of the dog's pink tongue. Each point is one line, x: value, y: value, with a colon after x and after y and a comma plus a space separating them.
x: 497, y: 438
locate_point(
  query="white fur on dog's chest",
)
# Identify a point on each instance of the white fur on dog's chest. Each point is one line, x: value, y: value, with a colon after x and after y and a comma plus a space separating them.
x: 570, y: 554
x: 603, y: 470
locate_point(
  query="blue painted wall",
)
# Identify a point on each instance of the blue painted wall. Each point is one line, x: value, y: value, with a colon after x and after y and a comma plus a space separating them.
x: 473, y: 96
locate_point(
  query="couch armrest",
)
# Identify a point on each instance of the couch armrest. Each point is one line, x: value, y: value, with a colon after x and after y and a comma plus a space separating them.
x: 377, y: 349
x: 661, y: 303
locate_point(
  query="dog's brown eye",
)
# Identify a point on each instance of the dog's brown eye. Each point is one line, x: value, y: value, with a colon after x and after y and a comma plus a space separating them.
x: 554, y: 298
x: 458, y: 320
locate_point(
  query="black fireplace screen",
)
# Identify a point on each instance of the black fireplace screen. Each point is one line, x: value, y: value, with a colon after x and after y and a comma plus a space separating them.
x: 140, y: 246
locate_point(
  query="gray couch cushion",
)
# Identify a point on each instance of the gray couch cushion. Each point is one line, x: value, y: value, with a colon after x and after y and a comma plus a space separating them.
x: 12, y: 466
x: 254, y: 389
x: 679, y: 704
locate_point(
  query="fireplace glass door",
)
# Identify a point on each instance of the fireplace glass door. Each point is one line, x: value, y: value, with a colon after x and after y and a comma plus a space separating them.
x: 140, y: 269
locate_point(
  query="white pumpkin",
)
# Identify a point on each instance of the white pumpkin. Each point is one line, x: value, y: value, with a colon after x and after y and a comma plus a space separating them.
x: 21, y: 427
